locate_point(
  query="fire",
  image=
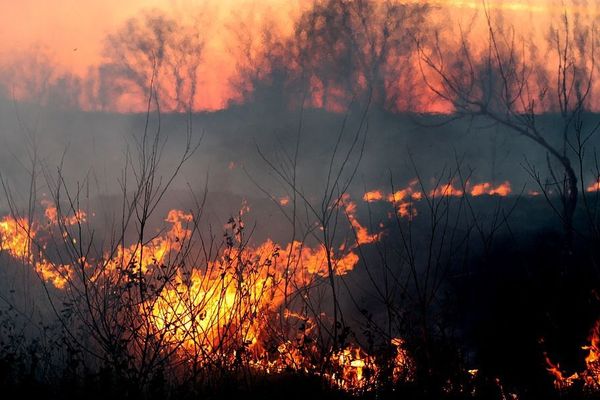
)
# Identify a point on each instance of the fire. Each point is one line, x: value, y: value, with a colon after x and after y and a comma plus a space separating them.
x: 590, y: 377
x: 284, y: 201
x: 51, y: 214
x: 56, y: 274
x: 372, y: 196
x: 408, y: 193
x: 404, y: 199
x: 362, y: 234
x: 594, y: 186
x: 357, y: 370
x: 17, y: 236
x: 234, y: 296
x: 561, y: 382
x: 447, y: 190
x: 486, y: 188
x: 225, y: 305
x: 403, y: 363
x: 195, y: 314
x: 141, y: 256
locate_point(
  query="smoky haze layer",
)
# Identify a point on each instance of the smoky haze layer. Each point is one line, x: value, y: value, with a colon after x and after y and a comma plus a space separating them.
x: 235, y: 142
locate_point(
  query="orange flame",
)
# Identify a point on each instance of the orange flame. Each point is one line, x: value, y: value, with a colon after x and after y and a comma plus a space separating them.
x: 594, y: 186
x: 15, y: 235
x: 447, y: 190
x: 284, y: 201
x: 16, y: 238
x: 226, y: 304
x: 362, y: 234
x: 486, y: 188
x: 590, y: 377
x: 372, y: 196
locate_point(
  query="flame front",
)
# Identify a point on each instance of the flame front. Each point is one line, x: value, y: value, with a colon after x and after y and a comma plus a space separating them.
x: 17, y: 237
x: 223, y: 307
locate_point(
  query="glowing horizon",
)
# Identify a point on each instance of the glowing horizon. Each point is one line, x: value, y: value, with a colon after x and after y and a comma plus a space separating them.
x: 73, y: 34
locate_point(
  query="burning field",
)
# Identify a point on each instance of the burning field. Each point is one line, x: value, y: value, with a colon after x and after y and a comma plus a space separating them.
x: 353, y: 199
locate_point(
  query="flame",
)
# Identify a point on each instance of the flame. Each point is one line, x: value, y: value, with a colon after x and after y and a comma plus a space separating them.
x: 15, y: 235
x: 447, y: 190
x: 225, y: 306
x: 16, y: 238
x: 373, y: 196
x: 51, y: 213
x: 486, y: 188
x: 594, y: 186
x: 590, y: 377
x: 284, y: 201
x: 139, y: 256
x: 362, y: 234
x: 408, y: 193
x: 403, y: 364
x: 56, y: 274
x: 357, y: 369
x: 221, y: 305
x: 404, y: 199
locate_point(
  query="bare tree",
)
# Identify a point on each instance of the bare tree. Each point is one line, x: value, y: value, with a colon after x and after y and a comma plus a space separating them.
x: 33, y: 76
x: 508, y: 84
x: 155, y: 44
x: 338, y: 51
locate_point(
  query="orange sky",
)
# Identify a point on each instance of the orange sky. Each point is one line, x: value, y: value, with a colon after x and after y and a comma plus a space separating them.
x: 73, y: 30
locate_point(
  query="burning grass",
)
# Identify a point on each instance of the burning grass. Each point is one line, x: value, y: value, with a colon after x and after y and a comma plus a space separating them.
x: 243, y: 304
x: 195, y: 307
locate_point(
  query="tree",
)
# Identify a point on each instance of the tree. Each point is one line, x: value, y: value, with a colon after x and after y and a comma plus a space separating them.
x: 33, y: 77
x: 509, y: 84
x: 338, y: 51
x: 154, y: 50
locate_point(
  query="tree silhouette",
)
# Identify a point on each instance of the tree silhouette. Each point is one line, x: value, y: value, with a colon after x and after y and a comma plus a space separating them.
x: 338, y: 51
x: 509, y: 84
x: 154, y: 50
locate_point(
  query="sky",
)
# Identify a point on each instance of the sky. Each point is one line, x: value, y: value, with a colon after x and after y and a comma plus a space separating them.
x: 64, y: 25
x: 73, y: 31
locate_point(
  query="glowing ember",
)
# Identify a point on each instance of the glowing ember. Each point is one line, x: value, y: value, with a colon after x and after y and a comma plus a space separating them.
x: 284, y: 201
x: 403, y: 364
x: 594, y: 186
